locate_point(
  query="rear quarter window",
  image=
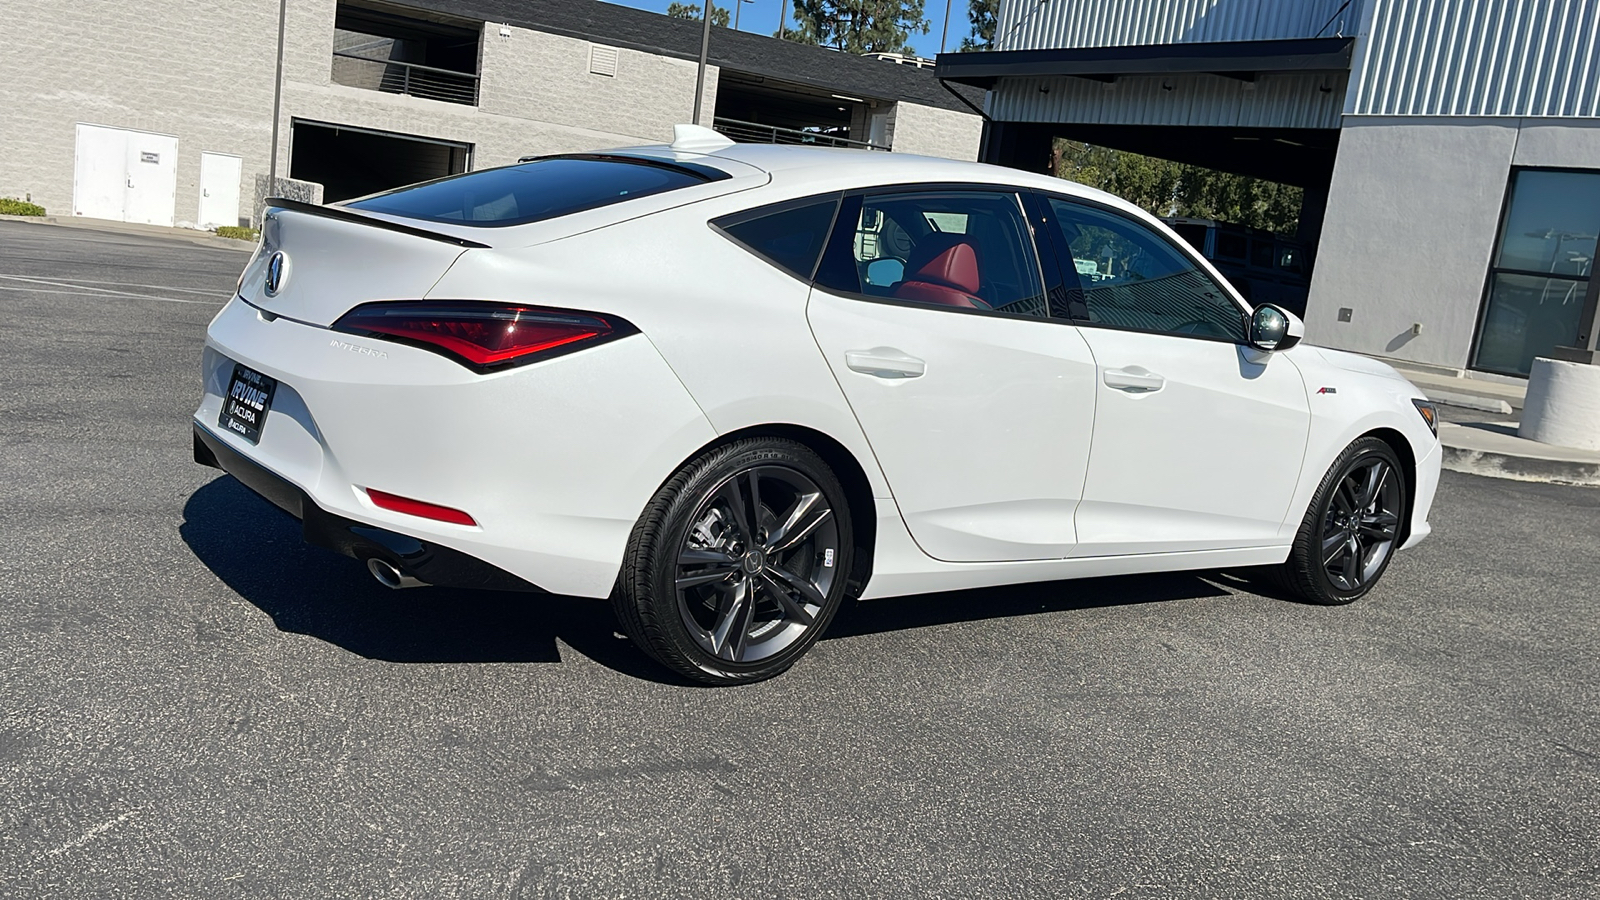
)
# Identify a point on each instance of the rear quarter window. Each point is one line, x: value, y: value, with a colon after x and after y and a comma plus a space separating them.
x: 535, y: 191
x: 789, y: 235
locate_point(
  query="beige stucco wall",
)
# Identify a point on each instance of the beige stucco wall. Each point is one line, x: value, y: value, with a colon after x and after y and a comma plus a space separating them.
x: 144, y: 66
x: 138, y: 66
x: 929, y: 131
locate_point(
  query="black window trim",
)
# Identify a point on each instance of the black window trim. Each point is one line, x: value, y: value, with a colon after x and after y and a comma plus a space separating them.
x: 936, y: 187
x: 721, y: 224
x: 1180, y: 245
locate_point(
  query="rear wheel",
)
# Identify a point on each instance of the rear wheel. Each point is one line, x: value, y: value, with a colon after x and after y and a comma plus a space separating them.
x: 739, y: 563
x: 1352, y: 527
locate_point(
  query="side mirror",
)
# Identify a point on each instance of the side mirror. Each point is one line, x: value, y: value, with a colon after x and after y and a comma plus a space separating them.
x: 886, y: 272
x: 1275, y: 328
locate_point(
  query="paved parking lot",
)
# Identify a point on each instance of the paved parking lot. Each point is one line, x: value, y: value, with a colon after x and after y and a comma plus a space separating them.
x: 197, y: 705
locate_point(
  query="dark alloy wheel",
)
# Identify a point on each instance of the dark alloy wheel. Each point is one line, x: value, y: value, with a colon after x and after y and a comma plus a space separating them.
x: 739, y: 563
x: 1352, y: 527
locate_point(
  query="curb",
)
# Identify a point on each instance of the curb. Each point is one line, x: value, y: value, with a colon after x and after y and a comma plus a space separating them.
x: 193, y: 236
x: 1521, y: 468
x: 1469, y: 401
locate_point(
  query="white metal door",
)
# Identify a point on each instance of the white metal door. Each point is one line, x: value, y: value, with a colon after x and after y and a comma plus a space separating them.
x: 1197, y: 445
x: 100, y: 172
x: 981, y: 423
x: 219, y: 189
x: 152, y: 178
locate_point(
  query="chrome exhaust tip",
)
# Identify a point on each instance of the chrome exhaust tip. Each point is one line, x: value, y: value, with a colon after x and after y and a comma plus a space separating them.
x: 390, y: 576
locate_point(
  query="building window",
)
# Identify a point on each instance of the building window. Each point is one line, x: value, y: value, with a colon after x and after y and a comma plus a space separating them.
x: 1539, y: 277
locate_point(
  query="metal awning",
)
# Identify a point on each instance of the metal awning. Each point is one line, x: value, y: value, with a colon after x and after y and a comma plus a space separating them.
x: 1233, y: 59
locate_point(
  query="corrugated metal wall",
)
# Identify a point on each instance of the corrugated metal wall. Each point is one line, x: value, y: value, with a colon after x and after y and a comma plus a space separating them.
x: 1274, y: 101
x: 1039, y: 24
x: 1480, y: 58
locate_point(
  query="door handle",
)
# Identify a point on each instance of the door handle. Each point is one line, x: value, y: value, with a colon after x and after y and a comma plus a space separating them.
x: 1134, y: 380
x: 884, y: 362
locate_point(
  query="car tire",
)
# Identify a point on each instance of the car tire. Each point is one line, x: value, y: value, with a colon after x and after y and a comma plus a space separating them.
x: 739, y: 562
x: 1351, y: 529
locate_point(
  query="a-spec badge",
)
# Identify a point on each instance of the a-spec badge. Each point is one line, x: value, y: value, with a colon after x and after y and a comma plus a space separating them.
x: 1328, y: 390
x: 277, y: 273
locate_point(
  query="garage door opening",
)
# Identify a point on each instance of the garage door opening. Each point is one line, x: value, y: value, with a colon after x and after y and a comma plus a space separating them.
x: 1250, y: 201
x: 354, y: 162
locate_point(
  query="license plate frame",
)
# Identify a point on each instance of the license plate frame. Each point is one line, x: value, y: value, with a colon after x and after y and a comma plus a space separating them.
x: 247, y: 402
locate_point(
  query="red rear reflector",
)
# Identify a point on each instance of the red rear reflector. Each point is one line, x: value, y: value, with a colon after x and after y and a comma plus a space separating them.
x: 412, y: 507
x: 482, y: 335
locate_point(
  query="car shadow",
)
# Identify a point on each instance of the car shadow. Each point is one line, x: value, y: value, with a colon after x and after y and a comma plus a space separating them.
x: 256, y: 550
x: 976, y: 604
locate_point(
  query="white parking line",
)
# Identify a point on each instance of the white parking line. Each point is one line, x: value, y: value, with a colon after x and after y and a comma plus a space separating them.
x: 86, y: 291
x: 159, y: 287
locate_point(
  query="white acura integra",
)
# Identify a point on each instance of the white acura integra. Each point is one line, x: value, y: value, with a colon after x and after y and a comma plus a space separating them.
x: 729, y: 386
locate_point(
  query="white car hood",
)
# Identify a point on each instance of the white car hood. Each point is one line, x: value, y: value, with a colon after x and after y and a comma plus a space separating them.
x: 1355, y: 362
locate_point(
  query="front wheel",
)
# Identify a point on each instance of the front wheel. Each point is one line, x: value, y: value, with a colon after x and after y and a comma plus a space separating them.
x: 739, y: 562
x: 1352, y: 528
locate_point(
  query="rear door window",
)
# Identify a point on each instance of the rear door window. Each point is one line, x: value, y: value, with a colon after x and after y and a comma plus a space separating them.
x: 956, y: 249
x: 537, y: 190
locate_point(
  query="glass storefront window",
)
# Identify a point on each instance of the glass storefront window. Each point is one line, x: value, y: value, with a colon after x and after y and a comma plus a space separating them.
x: 1526, y: 317
x: 1540, y: 279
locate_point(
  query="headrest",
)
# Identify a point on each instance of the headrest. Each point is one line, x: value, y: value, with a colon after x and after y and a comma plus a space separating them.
x: 946, y: 259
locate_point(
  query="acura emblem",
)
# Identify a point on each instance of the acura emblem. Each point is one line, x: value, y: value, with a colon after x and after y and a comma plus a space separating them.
x: 277, y: 269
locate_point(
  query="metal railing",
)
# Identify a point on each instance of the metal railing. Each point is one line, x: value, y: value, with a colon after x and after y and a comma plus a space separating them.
x: 415, y: 80
x: 756, y: 133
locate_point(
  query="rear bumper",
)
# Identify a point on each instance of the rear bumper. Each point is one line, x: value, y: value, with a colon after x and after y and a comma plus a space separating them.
x: 424, y: 560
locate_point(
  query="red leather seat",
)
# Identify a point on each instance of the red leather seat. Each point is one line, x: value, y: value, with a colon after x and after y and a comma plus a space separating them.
x: 943, y: 270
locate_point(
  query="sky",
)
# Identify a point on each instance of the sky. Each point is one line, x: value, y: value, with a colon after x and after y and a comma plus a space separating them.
x: 761, y: 17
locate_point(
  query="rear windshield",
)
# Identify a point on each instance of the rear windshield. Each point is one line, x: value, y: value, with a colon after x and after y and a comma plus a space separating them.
x: 535, y: 191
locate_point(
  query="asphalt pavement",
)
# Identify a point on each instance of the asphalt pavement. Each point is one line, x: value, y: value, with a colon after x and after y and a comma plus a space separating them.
x: 197, y: 705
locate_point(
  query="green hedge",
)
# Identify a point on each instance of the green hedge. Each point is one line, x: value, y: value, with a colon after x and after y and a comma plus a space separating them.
x: 238, y: 233
x: 10, y: 207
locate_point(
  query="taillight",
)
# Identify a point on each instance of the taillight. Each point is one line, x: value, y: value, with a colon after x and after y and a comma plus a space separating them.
x: 399, y: 504
x: 483, y: 336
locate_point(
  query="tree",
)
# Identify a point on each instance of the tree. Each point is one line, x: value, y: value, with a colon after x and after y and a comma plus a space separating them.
x: 984, y: 16
x: 859, y: 26
x: 719, y: 14
x: 1167, y: 188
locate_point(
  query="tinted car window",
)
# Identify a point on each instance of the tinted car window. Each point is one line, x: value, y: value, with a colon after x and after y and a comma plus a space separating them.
x: 1231, y: 246
x: 1133, y: 278
x: 532, y: 191
x: 1261, y: 253
x: 789, y: 235
x: 957, y: 249
x: 1194, y: 234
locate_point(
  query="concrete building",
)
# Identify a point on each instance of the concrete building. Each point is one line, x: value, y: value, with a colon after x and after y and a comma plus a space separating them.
x: 1450, y: 149
x: 161, y: 112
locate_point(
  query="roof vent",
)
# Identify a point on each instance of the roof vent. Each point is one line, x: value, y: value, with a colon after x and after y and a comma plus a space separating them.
x: 697, y: 139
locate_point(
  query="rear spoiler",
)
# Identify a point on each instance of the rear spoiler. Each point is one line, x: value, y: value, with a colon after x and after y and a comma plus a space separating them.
x: 345, y: 215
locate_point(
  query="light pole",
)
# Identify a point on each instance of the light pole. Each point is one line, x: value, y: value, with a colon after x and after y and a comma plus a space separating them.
x: 945, y: 35
x: 705, y: 46
x: 783, y: 16
x: 738, y: 7
x: 277, y: 100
